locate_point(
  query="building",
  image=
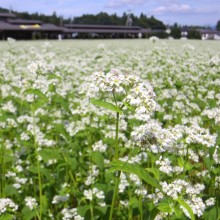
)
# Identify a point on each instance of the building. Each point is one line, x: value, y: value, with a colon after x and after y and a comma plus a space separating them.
x: 103, y: 31
x: 207, y: 34
x: 11, y: 26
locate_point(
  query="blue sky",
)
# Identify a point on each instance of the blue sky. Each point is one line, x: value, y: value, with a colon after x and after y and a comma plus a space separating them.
x: 194, y: 12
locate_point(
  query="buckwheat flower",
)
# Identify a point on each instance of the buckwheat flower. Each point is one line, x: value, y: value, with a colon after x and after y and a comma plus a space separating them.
x: 17, y: 185
x: 9, y: 107
x: 10, y: 174
x: 21, y: 180
x: 123, y: 183
x: 51, y: 162
x: 7, y: 204
x: 99, y: 146
x: 88, y: 194
x: 135, y: 179
x: 154, y: 39
x: 193, y: 156
x: 58, y: 198
x: 24, y: 136
x: 161, y: 215
x: 99, y: 194
x: 141, y: 192
x: 165, y: 165
x: 124, y: 203
x: 217, y: 181
x: 216, y: 155
x: 69, y: 214
x: 92, y: 174
x: 102, y: 204
x: 19, y: 168
x: 210, y: 202
x: 31, y: 202
x: 11, y: 122
x: 197, y: 206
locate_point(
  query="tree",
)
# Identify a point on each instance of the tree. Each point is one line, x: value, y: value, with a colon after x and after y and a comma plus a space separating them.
x: 175, y: 31
x: 218, y: 25
x: 194, y: 34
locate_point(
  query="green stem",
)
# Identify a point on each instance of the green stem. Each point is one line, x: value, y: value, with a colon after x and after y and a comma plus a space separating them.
x: 115, y: 195
x: 38, y: 166
x: 117, y: 178
x: 116, y: 137
x: 141, y: 207
x: 2, y: 171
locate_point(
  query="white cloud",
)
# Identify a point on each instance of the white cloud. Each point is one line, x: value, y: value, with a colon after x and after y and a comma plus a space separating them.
x: 124, y: 3
x: 174, y: 8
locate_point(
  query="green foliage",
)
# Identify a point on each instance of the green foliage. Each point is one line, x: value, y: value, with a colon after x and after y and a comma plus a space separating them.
x: 106, y: 105
x: 194, y: 34
x: 175, y: 32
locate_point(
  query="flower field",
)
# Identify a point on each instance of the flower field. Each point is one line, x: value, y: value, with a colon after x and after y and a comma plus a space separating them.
x: 112, y: 129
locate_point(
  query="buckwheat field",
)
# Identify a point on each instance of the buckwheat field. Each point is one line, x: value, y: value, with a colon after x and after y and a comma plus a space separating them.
x: 112, y: 129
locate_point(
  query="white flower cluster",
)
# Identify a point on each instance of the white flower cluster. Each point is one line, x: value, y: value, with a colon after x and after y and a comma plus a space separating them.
x: 92, y: 174
x: 166, y: 167
x: 69, y: 214
x: 7, y: 204
x: 137, y: 93
x: 213, y: 113
x: 196, y: 134
x: 99, y: 146
x: 216, y: 155
x: 123, y: 183
x: 9, y: 106
x: 31, y: 202
x: 93, y: 193
x: 197, y: 206
x: 58, y: 198
x: 155, y: 138
x: 181, y: 187
x: 114, y: 81
x: 141, y: 97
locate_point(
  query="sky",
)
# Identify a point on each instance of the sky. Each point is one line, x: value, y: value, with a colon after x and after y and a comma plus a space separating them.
x: 183, y: 12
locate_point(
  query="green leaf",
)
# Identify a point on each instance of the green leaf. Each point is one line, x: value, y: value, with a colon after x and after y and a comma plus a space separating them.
x: 7, y: 216
x: 38, y: 93
x: 177, y: 212
x: 98, y: 159
x: 165, y: 207
x: 106, y: 105
x: 9, y: 190
x: 72, y: 162
x: 28, y: 213
x: 133, y: 202
x: 48, y: 154
x: 136, y: 169
x: 82, y: 210
x: 102, y: 210
x: 154, y: 171
x: 211, y: 214
x: 187, y: 207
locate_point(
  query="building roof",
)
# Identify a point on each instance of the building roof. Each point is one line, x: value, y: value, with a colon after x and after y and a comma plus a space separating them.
x: 208, y: 31
x: 91, y: 28
x: 7, y: 15
x: 28, y: 27
x: 23, y: 21
x: 94, y: 26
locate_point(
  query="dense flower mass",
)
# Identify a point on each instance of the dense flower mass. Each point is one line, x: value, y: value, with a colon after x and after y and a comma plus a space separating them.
x: 111, y: 129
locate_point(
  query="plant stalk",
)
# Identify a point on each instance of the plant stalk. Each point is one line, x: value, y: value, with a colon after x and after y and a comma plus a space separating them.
x: 117, y: 178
